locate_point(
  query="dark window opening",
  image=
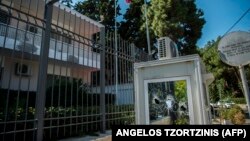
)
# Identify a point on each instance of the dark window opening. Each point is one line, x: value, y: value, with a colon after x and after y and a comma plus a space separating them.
x: 66, y: 38
x: 32, y: 29
x: 1, y: 73
x: 55, y: 34
x: 4, y: 17
x: 22, y: 69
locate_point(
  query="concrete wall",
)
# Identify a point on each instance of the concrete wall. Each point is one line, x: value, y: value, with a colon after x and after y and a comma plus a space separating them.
x: 10, y: 80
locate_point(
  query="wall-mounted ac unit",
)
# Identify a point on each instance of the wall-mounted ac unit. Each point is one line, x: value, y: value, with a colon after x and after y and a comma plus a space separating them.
x: 32, y: 28
x: 22, y: 69
x: 167, y: 48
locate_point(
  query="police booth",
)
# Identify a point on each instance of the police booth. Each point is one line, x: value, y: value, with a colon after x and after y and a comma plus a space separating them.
x: 172, y: 90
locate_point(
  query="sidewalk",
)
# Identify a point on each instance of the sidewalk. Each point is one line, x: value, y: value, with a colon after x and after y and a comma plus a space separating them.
x: 101, y: 137
x: 217, y: 121
x: 107, y: 136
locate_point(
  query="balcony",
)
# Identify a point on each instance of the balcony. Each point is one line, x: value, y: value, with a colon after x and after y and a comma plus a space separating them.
x: 21, y: 40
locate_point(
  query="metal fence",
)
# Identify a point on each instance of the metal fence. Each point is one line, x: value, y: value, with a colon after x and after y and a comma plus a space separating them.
x: 61, y: 77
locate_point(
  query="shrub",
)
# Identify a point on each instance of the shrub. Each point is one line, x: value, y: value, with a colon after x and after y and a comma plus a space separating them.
x: 224, y: 113
x: 240, y: 100
x: 236, y: 115
x: 183, y: 120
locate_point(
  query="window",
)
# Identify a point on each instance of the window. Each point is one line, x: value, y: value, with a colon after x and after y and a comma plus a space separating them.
x: 1, y: 73
x: 66, y: 38
x: 32, y: 29
x: 58, y: 35
x: 54, y: 34
x: 4, y: 17
x: 22, y: 69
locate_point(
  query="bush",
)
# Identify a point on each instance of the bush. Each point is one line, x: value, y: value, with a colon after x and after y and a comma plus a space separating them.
x: 240, y: 100
x: 234, y: 114
x: 183, y: 120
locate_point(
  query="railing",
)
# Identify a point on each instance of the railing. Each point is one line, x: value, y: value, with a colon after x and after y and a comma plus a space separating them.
x: 84, y: 93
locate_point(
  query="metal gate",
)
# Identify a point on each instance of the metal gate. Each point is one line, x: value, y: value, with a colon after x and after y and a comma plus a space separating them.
x: 60, y: 73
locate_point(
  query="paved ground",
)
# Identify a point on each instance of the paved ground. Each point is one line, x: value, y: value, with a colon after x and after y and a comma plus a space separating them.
x: 107, y: 135
x: 101, y: 137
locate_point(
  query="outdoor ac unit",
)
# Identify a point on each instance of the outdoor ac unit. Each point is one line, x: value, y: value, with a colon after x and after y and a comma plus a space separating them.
x: 22, y: 69
x: 167, y: 48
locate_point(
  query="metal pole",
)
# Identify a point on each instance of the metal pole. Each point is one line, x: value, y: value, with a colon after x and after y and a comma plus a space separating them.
x: 42, y: 74
x: 147, y: 31
x: 116, y: 56
x: 102, y: 81
x: 245, y: 87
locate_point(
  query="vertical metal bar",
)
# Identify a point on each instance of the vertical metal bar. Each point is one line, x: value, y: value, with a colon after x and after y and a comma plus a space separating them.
x: 10, y: 78
x: 37, y: 7
x: 20, y: 78
x: 42, y: 75
x: 57, y: 34
x: 112, y: 79
x: 53, y: 81
x: 245, y: 87
x: 71, y: 78
x: 116, y: 55
x: 107, y: 89
x: 77, y: 75
x: 52, y: 90
x: 90, y: 57
x: 94, y: 105
x: 66, y: 72
x: 119, y: 78
x: 108, y: 82
x: 29, y: 82
x: 80, y: 42
x: 147, y: 29
x: 102, y: 80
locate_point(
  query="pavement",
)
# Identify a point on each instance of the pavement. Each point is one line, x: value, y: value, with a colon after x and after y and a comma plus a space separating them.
x: 107, y: 136
x: 101, y: 137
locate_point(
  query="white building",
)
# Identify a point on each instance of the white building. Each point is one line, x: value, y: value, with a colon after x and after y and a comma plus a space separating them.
x: 21, y: 30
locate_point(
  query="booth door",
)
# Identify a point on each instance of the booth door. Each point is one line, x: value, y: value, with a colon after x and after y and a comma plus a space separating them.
x: 168, y: 101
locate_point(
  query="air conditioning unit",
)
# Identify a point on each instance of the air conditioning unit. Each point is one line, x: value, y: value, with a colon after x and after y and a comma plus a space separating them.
x: 167, y: 48
x: 32, y: 29
x: 22, y: 69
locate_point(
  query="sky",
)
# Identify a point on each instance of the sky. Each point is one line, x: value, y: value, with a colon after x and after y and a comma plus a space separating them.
x: 220, y: 15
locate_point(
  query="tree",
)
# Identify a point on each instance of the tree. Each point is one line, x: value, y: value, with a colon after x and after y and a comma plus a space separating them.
x: 99, y: 10
x: 67, y: 2
x: 178, y: 19
x: 227, y: 80
x: 130, y: 27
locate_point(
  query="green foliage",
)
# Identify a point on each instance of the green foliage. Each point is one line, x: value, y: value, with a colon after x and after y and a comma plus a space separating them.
x: 234, y: 114
x: 130, y: 27
x: 67, y: 2
x: 183, y: 120
x: 233, y: 111
x: 227, y: 80
x: 99, y: 10
x: 239, y: 100
x: 178, y: 19
x: 180, y: 90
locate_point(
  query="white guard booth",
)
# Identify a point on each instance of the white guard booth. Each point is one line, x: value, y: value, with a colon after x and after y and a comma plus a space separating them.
x: 163, y: 87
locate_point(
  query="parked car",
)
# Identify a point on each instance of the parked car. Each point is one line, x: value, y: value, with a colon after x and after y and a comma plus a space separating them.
x: 225, y: 103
